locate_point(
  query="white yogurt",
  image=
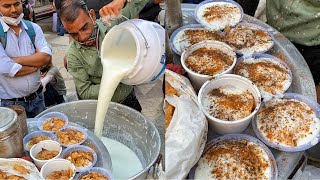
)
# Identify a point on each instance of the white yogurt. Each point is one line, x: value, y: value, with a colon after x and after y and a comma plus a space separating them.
x: 230, y: 18
x: 230, y: 163
x: 290, y: 119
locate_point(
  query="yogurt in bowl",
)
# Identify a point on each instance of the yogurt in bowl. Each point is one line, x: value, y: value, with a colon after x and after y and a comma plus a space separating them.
x: 289, y: 124
x: 270, y: 74
x: 218, y: 14
x: 188, y: 35
x: 229, y: 102
x: 236, y: 156
x: 206, y: 60
x: 248, y: 38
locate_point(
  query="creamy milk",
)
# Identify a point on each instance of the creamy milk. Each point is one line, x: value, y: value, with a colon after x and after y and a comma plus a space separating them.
x: 118, y: 60
x: 125, y: 163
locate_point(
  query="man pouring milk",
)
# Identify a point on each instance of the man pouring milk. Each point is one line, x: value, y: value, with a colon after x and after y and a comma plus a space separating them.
x: 84, y: 62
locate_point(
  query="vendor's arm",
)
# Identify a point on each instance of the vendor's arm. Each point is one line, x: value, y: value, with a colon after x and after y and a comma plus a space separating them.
x: 10, y: 68
x: 43, y: 52
x: 85, y: 88
x: 131, y: 10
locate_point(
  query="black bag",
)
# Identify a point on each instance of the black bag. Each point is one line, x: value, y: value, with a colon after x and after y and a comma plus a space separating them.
x: 26, y: 10
x: 51, y: 96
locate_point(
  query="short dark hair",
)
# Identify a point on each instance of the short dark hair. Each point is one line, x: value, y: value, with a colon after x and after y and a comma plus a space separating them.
x: 70, y: 9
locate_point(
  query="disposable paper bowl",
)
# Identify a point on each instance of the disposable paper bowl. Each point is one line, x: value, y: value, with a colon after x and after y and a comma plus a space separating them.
x: 48, y: 145
x: 239, y: 137
x: 99, y: 170
x: 228, y: 127
x: 223, y: 24
x: 67, y: 151
x: 57, y: 165
x: 262, y: 50
x: 50, y: 115
x: 83, y: 130
x: 312, y: 104
x: 272, y: 59
x: 198, y: 79
x: 29, y: 136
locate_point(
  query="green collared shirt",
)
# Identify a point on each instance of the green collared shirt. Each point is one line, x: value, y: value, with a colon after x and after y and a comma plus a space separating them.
x: 298, y: 20
x: 84, y: 63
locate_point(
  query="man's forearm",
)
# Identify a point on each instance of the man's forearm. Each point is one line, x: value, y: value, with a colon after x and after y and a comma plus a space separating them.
x: 37, y: 60
x: 25, y: 70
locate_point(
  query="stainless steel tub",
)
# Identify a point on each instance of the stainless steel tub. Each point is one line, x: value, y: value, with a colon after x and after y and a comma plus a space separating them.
x: 122, y: 124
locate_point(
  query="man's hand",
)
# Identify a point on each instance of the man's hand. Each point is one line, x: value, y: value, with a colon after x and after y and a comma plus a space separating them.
x: 111, y: 11
x: 158, y: 1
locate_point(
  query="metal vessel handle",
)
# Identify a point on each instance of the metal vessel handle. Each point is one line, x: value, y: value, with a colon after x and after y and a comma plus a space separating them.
x: 145, y: 40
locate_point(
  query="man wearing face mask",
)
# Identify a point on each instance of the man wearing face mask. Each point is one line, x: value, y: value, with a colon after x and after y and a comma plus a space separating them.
x: 21, y: 56
x: 84, y: 63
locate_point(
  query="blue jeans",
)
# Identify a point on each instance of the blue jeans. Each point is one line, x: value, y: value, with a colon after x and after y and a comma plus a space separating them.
x: 33, y: 107
x: 60, y: 28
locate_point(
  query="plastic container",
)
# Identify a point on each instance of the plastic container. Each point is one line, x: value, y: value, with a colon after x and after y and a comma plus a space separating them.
x: 237, y: 137
x: 227, y: 127
x: 50, y: 115
x: 47, y: 145
x: 29, y: 136
x: 197, y: 79
x: 176, y: 34
x: 57, y: 165
x: 67, y: 151
x: 149, y: 39
x: 271, y: 59
x: 83, y: 130
x: 99, y: 170
x: 312, y: 104
x: 222, y: 24
x: 268, y: 46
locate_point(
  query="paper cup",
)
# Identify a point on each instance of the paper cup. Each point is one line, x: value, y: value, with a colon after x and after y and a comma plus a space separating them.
x: 198, y: 79
x: 227, y: 127
x: 67, y: 151
x: 57, y: 165
x: 48, y: 145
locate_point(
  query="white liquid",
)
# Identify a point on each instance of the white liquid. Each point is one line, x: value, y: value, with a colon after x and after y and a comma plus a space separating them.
x: 125, y: 163
x: 117, y: 59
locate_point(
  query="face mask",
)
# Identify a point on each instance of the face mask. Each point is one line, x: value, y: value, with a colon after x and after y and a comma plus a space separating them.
x: 12, y: 21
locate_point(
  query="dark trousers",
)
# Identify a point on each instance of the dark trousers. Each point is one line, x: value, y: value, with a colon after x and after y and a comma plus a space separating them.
x: 51, y: 96
x: 60, y: 28
x: 312, y: 56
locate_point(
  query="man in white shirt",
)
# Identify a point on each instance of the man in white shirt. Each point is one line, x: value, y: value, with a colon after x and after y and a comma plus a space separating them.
x: 21, y: 56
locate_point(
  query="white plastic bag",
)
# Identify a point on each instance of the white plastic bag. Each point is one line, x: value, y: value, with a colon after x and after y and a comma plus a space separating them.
x: 186, y: 135
x: 6, y: 165
x: 309, y: 173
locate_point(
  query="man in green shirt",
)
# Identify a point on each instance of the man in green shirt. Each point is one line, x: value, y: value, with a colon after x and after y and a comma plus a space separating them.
x: 84, y: 63
x: 299, y: 21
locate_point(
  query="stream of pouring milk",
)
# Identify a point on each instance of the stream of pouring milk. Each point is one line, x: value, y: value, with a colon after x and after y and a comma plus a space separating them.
x: 117, y: 61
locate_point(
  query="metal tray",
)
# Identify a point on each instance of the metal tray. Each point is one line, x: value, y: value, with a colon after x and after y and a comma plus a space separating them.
x: 302, y: 82
x: 104, y: 159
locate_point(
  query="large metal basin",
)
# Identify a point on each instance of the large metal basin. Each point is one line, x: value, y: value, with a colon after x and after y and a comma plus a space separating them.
x: 302, y: 82
x: 122, y: 124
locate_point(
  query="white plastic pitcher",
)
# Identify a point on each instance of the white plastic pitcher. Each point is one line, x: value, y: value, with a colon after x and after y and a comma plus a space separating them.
x: 149, y: 37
